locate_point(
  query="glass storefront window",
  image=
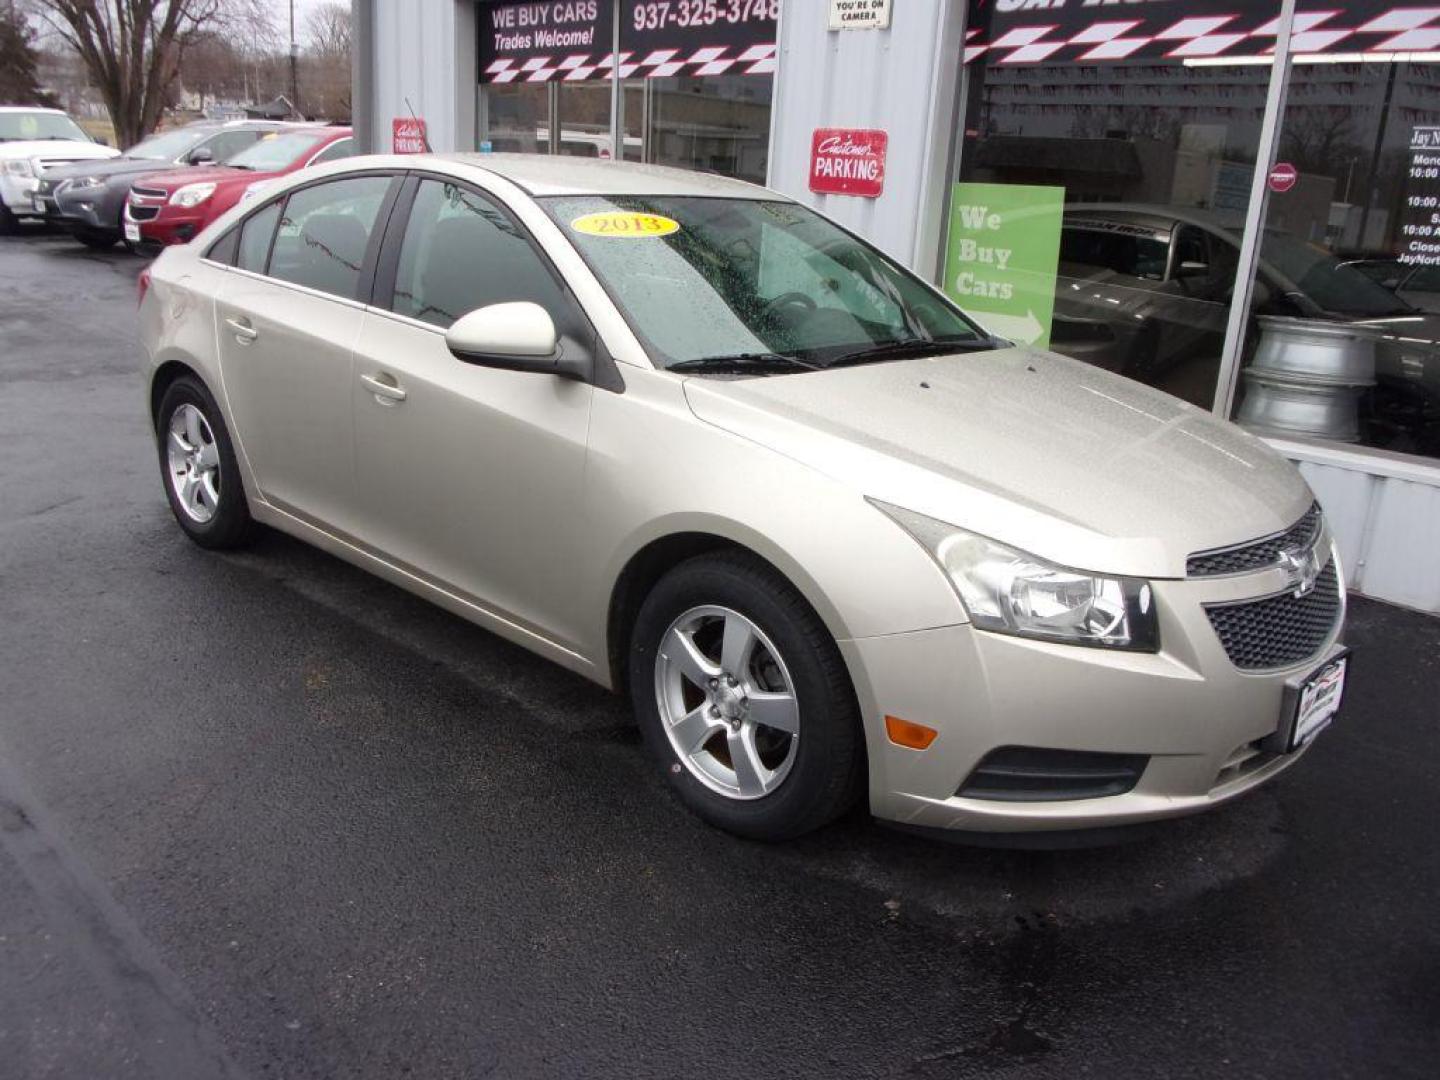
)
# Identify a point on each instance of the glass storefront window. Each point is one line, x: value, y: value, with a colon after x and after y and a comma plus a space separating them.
x: 695, y: 79
x: 718, y: 124
x: 1152, y: 159
x: 1352, y: 248
x: 1133, y: 135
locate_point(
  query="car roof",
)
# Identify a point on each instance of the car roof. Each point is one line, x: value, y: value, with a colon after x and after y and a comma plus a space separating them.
x: 541, y: 174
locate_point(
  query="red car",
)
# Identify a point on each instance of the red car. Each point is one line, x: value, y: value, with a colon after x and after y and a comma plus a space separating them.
x: 171, y: 207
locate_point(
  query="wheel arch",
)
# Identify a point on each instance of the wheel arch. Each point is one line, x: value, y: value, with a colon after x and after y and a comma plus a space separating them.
x: 163, y: 377
x: 654, y: 558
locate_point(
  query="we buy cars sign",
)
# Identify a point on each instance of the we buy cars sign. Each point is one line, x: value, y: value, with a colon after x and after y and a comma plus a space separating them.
x: 848, y: 161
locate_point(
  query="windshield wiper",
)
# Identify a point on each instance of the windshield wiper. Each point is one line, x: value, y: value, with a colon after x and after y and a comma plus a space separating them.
x: 914, y: 347
x: 744, y: 364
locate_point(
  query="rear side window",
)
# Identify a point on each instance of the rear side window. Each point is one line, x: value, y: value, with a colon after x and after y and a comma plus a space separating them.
x: 324, y: 233
x: 223, y: 250
x: 255, y: 237
x: 461, y: 252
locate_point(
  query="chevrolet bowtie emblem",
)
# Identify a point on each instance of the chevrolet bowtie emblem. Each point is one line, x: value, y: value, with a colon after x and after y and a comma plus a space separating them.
x: 1301, y: 570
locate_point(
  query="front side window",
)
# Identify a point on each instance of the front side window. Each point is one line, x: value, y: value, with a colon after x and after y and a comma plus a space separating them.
x: 705, y: 278
x: 275, y: 152
x: 461, y: 252
x: 324, y: 233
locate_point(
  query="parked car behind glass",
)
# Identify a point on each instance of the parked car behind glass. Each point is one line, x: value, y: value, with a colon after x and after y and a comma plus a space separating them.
x: 1145, y: 291
x: 88, y: 199
x: 171, y: 207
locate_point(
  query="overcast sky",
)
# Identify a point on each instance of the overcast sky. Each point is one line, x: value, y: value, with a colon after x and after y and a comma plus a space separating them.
x: 282, y: 16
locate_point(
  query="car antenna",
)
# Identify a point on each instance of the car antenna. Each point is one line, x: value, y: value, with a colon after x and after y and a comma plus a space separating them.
x: 424, y: 137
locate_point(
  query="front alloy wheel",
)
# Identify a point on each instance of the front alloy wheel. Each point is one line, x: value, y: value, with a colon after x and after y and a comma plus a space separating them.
x: 727, y: 702
x: 729, y: 668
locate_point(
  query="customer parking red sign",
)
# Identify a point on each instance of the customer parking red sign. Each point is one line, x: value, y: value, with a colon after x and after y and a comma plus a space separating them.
x: 407, y: 136
x: 848, y: 161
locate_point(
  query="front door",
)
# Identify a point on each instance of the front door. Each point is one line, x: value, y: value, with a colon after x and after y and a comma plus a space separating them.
x: 287, y: 320
x: 470, y: 475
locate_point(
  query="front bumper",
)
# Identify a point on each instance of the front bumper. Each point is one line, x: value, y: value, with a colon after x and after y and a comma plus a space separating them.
x: 18, y: 193
x: 1201, y: 722
x: 169, y: 225
x: 84, y: 208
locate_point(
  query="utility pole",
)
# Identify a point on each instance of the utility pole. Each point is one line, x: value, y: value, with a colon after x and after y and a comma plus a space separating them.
x: 294, y: 66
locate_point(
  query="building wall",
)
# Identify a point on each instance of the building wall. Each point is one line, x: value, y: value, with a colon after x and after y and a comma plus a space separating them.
x: 424, y: 53
x: 903, y: 81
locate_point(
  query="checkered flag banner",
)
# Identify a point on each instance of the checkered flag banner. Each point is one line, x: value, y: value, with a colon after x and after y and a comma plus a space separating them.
x: 659, y: 63
x: 1057, y: 36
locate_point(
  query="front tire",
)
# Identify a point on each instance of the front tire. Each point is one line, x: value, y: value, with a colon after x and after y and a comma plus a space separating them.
x: 198, y: 467
x: 744, y: 701
x: 9, y: 223
x: 96, y: 240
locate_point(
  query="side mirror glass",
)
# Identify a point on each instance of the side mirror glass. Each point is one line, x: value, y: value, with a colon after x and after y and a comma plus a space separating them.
x: 201, y: 155
x: 516, y: 336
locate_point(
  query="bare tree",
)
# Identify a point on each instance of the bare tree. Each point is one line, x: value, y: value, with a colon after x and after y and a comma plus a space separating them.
x: 133, y: 48
x: 326, y: 65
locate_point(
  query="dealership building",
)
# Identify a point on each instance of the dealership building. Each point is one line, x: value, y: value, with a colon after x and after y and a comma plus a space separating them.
x: 1237, y: 201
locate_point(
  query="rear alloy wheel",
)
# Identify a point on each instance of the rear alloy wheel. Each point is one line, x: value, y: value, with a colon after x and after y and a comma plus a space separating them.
x: 202, y: 478
x: 744, y: 700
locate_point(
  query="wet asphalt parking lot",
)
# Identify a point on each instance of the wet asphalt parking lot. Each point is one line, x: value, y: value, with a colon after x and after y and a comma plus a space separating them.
x: 262, y: 815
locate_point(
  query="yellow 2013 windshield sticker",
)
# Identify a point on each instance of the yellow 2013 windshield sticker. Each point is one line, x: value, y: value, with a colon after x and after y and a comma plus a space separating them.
x: 624, y: 223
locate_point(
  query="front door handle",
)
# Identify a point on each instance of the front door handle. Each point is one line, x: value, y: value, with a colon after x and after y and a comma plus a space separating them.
x: 243, y: 331
x: 383, y: 386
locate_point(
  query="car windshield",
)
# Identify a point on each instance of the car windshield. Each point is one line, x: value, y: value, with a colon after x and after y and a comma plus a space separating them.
x: 1331, y: 284
x: 275, y: 152
x: 754, y: 282
x: 22, y: 126
x: 167, y: 146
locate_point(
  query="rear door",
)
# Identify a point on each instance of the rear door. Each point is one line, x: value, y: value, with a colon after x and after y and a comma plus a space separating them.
x: 471, y: 475
x: 287, y: 320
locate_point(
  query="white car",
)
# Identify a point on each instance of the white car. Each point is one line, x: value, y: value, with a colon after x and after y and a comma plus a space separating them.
x: 31, y: 141
x: 698, y: 443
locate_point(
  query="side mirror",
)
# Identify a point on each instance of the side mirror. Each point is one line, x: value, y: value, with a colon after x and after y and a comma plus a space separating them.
x: 201, y: 155
x: 1189, y: 269
x: 516, y: 336
x: 102, y: 140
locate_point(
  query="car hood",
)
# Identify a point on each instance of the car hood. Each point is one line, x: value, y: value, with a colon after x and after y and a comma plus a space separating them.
x: 119, y: 166
x: 1040, y: 452
x: 196, y: 174
x: 46, y: 148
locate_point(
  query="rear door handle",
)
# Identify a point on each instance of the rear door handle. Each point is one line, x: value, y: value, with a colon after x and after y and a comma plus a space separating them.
x: 381, y: 388
x: 243, y: 331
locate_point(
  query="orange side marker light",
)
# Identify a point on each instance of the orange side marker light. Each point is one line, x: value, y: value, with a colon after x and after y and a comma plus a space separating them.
x: 905, y: 733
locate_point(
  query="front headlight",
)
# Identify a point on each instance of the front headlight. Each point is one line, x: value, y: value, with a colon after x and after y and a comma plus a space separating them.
x: 85, y: 182
x: 1012, y: 592
x: 192, y: 194
x: 19, y: 167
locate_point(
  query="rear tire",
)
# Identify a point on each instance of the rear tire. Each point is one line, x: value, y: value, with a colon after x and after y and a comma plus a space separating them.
x: 761, y: 738
x: 198, y: 467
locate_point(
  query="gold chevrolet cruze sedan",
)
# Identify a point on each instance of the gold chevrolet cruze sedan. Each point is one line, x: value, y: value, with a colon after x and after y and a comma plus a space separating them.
x: 702, y: 445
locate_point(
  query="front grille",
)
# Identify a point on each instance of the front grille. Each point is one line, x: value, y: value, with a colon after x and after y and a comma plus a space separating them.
x: 1257, y: 554
x: 1279, y: 630
x: 1243, y: 761
x: 1032, y: 774
x: 143, y: 213
x: 149, y: 193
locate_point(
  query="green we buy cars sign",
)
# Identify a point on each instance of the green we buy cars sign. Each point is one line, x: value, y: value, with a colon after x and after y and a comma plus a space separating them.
x: 1002, y: 256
